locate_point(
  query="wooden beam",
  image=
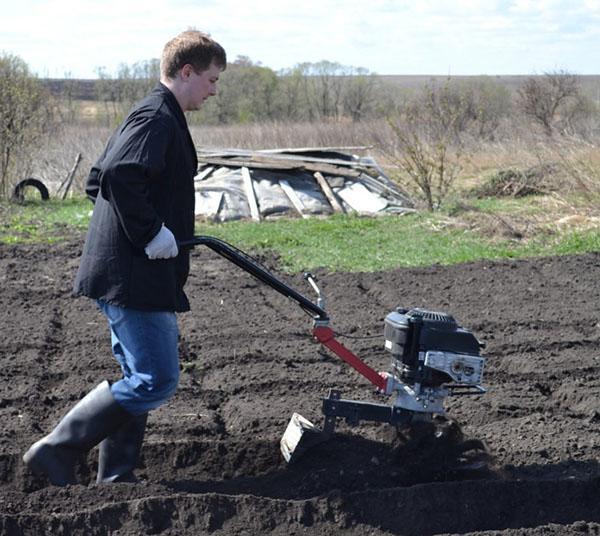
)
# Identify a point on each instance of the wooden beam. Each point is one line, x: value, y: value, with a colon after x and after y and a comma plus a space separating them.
x: 343, y: 148
x: 337, y: 171
x: 242, y: 162
x: 329, y: 194
x: 69, y: 179
x: 204, y: 173
x: 250, y: 195
x: 270, y: 156
x: 329, y: 169
x: 293, y: 197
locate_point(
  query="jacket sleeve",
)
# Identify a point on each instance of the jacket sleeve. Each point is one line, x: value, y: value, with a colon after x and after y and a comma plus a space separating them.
x: 92, y: 185
x: 133, y: 163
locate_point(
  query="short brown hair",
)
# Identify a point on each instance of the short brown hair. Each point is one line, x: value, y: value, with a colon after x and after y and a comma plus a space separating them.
x: 193, y: 47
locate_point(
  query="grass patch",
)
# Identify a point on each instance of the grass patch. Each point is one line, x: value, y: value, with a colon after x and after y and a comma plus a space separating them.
x: 347, y: 243
x: 352, y: 243
x: 37, y: 221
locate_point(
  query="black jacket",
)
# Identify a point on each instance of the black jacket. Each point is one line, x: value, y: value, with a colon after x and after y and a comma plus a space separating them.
x: 144, y: 178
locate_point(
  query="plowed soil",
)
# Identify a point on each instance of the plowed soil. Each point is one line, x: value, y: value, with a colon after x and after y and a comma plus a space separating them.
x: 211, y: 461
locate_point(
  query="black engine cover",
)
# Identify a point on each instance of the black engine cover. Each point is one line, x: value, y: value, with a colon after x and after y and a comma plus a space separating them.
x: 410, y: 332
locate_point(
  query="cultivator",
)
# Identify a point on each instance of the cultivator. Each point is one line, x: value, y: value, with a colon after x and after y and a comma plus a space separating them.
x: 432, y: 357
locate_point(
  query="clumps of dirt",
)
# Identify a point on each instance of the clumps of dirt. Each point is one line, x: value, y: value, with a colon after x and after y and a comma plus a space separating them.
x: 439, y: 451
x: 524, y: 460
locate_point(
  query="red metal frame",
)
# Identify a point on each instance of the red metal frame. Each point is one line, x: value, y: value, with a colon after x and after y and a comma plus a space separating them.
x: 326, y: 337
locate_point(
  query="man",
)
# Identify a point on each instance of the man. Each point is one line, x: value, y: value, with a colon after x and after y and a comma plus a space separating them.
x: 143, y: 192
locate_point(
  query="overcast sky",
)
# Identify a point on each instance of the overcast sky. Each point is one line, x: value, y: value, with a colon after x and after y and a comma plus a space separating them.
x: 455, y: 37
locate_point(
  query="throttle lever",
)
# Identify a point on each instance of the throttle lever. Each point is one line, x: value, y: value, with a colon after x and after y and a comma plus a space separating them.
x: 312, y: 280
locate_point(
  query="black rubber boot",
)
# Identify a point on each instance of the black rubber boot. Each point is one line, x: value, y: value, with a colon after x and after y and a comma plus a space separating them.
x: 93, y: 418
x: 120, y: 451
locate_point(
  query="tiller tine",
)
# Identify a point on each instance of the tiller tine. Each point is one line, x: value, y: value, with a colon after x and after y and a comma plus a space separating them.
x: 299, y: 436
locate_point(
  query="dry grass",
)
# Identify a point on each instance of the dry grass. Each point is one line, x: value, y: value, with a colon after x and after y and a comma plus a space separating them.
x: 576, y: 162
x: 571, y: 194
x: 284, y: 135
x: 55, y: 157
x: 532, y: 217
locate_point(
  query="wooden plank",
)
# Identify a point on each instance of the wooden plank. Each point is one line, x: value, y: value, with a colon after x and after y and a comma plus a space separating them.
x: 336, y: 171
x: 293, y: 197
x: 204, y: 173
x: 317, y: 149
x: 240, y: 162
x: 327, y: 169
x: 270, y: 156
x: 251, y: 196
x: 386, y: 182
x: 69, y: 179
x: 353, y: 163
x: 329, y: 194
x: 382, y: 188
x: 266, y: 157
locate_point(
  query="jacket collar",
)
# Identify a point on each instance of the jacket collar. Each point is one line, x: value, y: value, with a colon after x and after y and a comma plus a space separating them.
x: 171, y: 101
x: 173, y: 105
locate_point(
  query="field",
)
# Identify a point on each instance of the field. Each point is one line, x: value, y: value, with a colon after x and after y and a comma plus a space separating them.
x: 211, y: 462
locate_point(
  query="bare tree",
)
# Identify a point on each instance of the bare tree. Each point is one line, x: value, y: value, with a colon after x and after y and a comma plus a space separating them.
x: 455, y: 107
x: 24, y: 114
x: 429, y: 164
x: 247, y: 93
x: 291, y: 99
x: 323, y: 88
x: 107, y: 92
x: 426, y: 144
x: 541, y: 98
x: 359, y: 93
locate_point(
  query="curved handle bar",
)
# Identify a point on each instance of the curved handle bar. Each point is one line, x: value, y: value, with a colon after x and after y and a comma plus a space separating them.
x: 245, y: 262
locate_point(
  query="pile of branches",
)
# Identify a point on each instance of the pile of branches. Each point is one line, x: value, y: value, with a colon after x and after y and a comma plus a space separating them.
x: 518, y: 182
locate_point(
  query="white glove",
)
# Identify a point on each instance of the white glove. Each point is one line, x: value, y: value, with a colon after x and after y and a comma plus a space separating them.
x: 162, y: 246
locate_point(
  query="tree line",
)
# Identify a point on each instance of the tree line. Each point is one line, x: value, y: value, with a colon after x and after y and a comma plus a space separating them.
x: 248, y: 92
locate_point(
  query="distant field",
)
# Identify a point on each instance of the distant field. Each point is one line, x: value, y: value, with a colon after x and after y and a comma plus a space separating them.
x: 85, y: 89
x: 588, y: 82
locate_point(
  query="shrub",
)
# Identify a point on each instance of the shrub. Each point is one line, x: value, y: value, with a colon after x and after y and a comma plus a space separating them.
x: 548, y: 98
x: 25, y: 113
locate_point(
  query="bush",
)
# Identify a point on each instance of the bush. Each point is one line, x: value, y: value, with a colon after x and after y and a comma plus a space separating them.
x: 427, y: 142
x: 547, y: 99
x: 25, y: 113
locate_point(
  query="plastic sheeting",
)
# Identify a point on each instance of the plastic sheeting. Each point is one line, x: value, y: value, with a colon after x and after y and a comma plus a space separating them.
x: 222, y: 194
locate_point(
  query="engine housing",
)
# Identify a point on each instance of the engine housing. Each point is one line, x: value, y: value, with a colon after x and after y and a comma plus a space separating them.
x: 430, y: 349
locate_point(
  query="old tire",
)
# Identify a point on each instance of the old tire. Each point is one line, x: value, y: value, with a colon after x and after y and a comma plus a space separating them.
x: 19, y: 190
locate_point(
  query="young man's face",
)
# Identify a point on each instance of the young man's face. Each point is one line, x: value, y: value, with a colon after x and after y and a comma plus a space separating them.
x: 201, y: 86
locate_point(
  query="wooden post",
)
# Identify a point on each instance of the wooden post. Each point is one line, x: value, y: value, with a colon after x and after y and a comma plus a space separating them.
x: 335, y: 204
x: 293, y: 197
x: 254, y: 212
x: 69, y: 180
x: 204, y: 173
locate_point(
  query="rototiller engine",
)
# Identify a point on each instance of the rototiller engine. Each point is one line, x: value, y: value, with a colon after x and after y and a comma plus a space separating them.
x: 432, y: 357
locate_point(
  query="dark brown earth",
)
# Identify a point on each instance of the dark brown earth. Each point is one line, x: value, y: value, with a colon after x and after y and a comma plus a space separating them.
x: 211, y: 461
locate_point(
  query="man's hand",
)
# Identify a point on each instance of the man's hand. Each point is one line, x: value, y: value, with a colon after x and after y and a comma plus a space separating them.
x: 162, y: 246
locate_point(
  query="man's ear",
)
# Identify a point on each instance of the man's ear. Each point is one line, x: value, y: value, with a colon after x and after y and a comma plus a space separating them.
x: 186, y: 71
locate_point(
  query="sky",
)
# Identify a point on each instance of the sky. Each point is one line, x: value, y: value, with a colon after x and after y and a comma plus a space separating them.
x: 74, y: 38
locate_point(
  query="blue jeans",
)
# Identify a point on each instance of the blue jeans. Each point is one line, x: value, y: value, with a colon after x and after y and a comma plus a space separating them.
x: 145, y: 344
